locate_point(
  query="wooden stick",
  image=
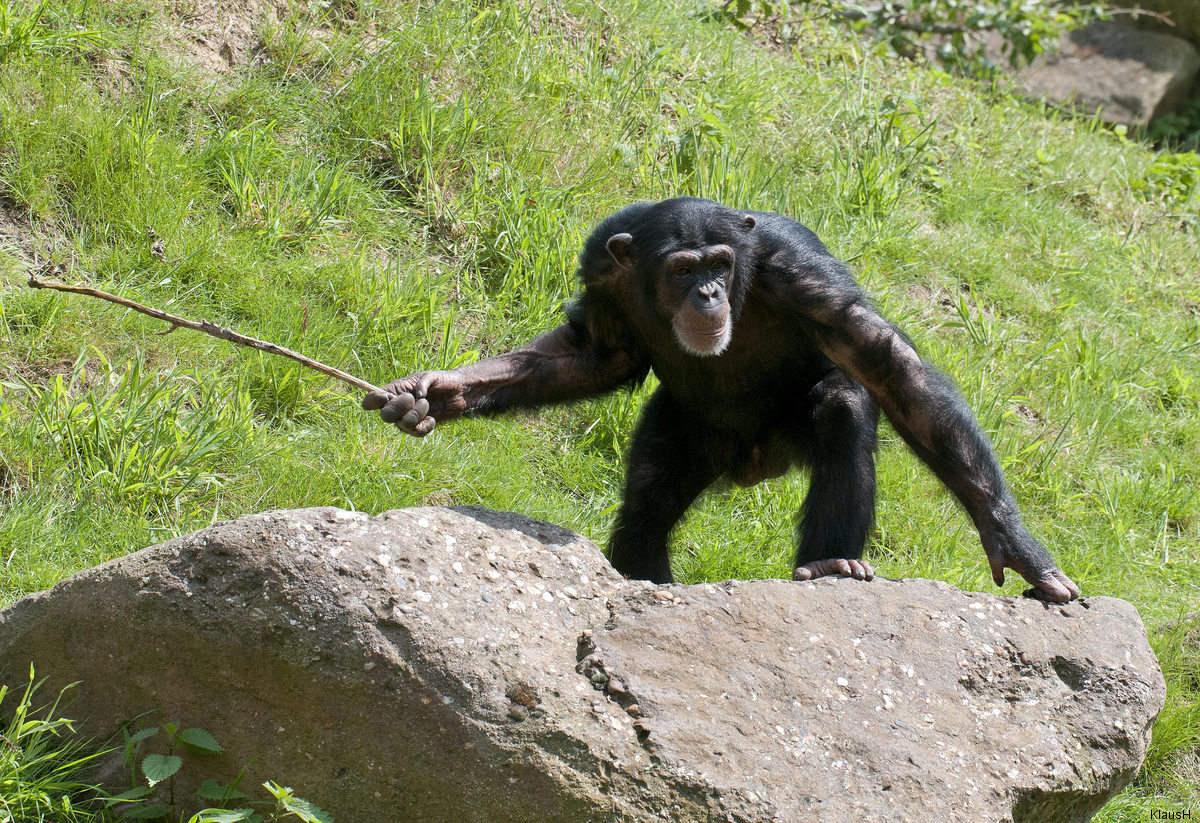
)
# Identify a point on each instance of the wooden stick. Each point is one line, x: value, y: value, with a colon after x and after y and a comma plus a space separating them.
x: 208, y: 328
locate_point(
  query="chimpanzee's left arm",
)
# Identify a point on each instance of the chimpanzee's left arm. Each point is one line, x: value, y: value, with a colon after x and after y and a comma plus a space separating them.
x: 933, y: 418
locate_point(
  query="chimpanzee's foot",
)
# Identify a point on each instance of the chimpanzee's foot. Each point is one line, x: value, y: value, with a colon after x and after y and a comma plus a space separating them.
x: 858, y: 569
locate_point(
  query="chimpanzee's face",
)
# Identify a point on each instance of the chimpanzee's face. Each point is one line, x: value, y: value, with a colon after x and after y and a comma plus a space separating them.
x: 693, y: 291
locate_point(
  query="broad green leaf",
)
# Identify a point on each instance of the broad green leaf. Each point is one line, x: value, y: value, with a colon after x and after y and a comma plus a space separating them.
x: 150, y: 811
x: 222, y: 816
x: 136, y: 793
x: 201, y: 741
x: 158, y: 767
x: 212, y: 790
x: 144, y: 734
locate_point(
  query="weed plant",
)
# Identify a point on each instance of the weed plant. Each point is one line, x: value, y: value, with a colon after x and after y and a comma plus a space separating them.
x: 43, y: 766
x: 401, y: 186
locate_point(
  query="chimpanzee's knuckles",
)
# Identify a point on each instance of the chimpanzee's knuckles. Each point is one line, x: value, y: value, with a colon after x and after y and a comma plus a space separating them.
x: 404, y: 385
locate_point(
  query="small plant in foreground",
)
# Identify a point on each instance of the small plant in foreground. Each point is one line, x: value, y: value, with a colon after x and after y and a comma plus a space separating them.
x: 1174, y: 179
x: 146, y: 801
x: 42, y: 766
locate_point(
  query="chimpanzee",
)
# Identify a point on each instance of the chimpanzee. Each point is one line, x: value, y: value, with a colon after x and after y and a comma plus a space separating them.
x: 769, y: 355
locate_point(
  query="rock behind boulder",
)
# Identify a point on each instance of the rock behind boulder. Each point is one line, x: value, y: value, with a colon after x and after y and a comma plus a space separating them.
x: 1125, y: 74
x: 467, y: 665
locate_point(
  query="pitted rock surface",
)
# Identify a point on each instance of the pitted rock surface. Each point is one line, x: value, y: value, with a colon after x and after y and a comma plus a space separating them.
x: 468, y: 665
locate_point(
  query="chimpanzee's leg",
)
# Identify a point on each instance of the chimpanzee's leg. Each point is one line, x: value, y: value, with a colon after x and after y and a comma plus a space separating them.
x: 839, y: 446
x: 671, y: 460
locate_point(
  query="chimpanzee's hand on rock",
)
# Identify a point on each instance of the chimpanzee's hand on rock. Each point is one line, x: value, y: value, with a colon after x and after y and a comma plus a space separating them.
x: 416, y: 404
x: 1022, y: 553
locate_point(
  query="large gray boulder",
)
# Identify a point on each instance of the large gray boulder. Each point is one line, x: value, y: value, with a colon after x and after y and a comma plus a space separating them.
x: 1129, y: 75
x: 465, y: 665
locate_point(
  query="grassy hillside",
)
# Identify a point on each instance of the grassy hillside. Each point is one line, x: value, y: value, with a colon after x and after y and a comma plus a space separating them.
x: 390, y: 187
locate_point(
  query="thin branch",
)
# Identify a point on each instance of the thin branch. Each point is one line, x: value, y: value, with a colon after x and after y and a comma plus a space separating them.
x: 208, y: 328
x: 1136, y: 13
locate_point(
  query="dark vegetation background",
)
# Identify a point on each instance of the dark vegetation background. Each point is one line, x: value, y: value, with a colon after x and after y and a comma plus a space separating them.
x: 390, y: 187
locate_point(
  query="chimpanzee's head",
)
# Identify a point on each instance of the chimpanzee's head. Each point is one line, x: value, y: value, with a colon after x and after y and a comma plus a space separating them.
x: 686, y: 253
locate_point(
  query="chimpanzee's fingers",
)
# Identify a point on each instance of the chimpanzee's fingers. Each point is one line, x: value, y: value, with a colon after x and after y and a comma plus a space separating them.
x: 997, y: 565
x: 398, y: 406
x: 421, y: 427
x: 376, y: 399
x: 418, y: 412
x: 1053, y: 587
x: 1069, y: 583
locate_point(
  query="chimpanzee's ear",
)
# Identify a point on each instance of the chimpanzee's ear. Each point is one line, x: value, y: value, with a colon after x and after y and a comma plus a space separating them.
x: 748, y: 221
x: 620, y: 246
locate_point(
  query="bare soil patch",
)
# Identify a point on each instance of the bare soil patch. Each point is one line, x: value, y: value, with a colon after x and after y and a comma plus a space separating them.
x: 16, y: 236
x: 221, y: 35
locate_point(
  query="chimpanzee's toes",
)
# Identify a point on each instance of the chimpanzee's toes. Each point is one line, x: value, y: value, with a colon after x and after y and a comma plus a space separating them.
x: 858, y: 569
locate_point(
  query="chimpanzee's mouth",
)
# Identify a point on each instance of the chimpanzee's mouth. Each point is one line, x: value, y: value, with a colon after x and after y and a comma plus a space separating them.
x: 707, y: 342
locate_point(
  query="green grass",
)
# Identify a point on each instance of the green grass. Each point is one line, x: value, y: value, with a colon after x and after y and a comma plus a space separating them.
x: 396, y: 187
x: 43, y: 766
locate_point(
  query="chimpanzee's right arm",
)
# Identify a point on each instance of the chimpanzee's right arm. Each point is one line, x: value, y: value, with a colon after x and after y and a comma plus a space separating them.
x: 562, y: 365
